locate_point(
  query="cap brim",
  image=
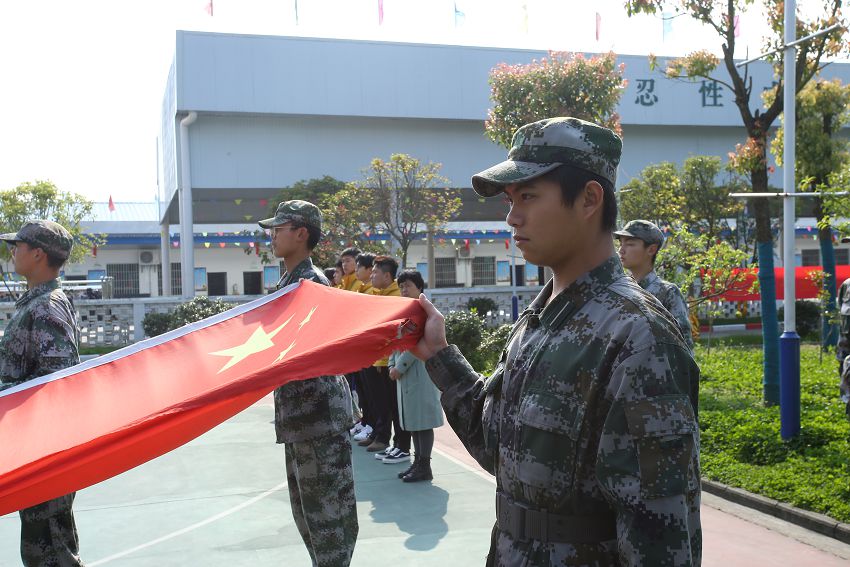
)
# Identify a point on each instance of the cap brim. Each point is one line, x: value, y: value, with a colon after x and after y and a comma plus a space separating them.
x: 10, y: 237
x: 269, y: 223
x: 625, y: 233
x: 492, y: 181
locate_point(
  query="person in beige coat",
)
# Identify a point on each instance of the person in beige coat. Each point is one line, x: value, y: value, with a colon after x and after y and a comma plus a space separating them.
x: 418, y: 399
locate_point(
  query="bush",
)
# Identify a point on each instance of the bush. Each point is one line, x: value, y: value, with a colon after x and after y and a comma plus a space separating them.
x: 482, y: 306
x: 808, y: 318
x: 465, y: 330
x: 193, y: 310
x: 156, y: 324
x: 493, y: 344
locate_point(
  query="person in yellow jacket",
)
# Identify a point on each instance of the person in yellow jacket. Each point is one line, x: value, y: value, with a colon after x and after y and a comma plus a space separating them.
x: 348, y: 259
x: 385, y: 400
x: 363, y: 271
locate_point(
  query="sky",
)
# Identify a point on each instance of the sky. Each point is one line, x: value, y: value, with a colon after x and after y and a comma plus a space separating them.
x: 82, y: 81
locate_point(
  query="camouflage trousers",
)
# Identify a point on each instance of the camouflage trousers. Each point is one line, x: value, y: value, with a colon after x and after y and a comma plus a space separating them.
x: 49, y: 534
x: 321, y: 491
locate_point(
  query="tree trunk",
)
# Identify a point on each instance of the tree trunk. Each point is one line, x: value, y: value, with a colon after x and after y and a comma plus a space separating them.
x: 827, y: 254
x: 767, y: 286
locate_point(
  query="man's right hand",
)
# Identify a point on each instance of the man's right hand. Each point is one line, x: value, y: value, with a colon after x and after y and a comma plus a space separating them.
x: 434, y: 337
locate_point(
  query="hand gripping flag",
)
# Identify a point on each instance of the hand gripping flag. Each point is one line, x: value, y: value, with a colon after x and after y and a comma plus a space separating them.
x: 85, y: 424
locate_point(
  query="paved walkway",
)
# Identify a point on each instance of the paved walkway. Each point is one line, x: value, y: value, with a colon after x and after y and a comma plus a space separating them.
x: 221, y: 500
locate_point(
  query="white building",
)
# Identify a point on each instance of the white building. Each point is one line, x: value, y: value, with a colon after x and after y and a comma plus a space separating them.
x: 260, y: 113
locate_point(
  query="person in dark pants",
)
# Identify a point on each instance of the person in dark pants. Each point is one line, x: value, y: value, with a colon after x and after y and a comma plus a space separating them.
x: 418, y: 399
x: 40, y: 339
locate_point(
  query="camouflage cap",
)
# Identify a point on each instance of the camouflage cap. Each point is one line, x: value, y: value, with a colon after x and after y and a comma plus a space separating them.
x: 542, y: 146
x: 50, y: 236
x: 644, y: 230
x: 289, y: 211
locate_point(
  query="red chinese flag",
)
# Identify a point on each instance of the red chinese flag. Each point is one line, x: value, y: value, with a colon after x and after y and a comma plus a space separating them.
x: 85, y: 424
x: 111, y: 204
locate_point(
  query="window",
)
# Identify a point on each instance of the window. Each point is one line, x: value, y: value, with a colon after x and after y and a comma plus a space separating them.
x: 271, y: 275
x: 503, y: 271
x: 176, y: 283
x: 811, y: 257
x: 532, y: 273
x: 445, y: 272
x: 842, y: 256
x: 484, y: 270
x: 125, y: 278
x: 422, y: 268
x: 200, y: 279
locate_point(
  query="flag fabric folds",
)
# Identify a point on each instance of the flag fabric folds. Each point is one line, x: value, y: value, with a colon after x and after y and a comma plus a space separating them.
x: 85, y: 424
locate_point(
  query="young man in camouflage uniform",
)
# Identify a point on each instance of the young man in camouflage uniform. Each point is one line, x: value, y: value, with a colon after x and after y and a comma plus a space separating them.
x: 312, y: 417
x: 588, y: 421
x: 640, y: 241
x: 41, y: 338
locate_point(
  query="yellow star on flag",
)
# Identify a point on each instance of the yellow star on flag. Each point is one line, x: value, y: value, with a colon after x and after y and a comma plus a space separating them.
x: 257, y: 342
x: 308, y: 317
x: 284, y: 352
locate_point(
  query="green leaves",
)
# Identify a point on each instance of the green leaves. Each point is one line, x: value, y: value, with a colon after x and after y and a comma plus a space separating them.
x: 43, y: 200
x: 563, y: 84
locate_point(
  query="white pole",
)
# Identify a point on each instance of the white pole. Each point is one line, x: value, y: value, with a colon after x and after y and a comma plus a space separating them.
x: 789, y: 160
x: 187, y: 223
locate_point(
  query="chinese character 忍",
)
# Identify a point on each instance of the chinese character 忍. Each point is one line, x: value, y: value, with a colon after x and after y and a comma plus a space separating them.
x: 646, y: 92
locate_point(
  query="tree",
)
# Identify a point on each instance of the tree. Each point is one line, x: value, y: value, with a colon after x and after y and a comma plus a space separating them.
x: 823, y: 108
x: 707, y: 204
x: 313, y: 190
x: 43, y: 200
x: 751, y: 158
x: 653, y: 195
x: 401, y: 196
x: 564, y: 84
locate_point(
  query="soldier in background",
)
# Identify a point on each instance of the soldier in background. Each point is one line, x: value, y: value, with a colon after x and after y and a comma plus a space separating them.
x: 41, y: 338
x: 588, y: 421
x: 312, y: 417
x: 640, y: 241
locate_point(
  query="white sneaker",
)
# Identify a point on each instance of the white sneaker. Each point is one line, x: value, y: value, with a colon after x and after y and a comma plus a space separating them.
x: 388, y: 451
x: 364, y: 433
x: 358, y: 427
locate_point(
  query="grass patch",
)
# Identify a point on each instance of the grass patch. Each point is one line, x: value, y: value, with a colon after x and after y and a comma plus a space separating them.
x: 103, y: 349
x: 741, y: 445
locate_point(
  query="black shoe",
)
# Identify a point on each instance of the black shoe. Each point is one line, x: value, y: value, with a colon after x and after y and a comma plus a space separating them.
x: 420, y: 473
x: 407, y: 471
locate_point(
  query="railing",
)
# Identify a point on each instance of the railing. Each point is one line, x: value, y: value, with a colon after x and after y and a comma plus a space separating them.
x: 117, y: 322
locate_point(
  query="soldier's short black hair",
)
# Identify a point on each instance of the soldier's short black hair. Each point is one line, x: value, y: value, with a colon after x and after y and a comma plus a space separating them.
x: 412, y: 276
x: 365, y: 259
x: 314, y: 233
x: 55, y: 261
x: 387, y: 264
x: 353, y: 252
x: 573, y: 179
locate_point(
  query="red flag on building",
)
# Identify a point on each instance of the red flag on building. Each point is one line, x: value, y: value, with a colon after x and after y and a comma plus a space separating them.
x: 380, y: 12
x: 208, y: 7
x: 85, y: 424
x: 111, y: 204
x: 598, y: 25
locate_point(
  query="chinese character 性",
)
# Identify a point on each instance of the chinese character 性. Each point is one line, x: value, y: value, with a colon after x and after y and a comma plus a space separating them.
x: 710, y: 91
x: 646, y: 90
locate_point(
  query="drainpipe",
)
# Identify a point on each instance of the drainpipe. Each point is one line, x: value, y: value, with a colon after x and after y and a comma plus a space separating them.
x: 187, y: 224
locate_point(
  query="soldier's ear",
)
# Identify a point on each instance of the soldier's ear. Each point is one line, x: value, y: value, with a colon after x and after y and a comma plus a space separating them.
x: 653, y: 248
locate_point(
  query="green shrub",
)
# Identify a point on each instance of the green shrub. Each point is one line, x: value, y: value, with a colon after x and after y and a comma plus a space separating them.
x: 465, y: 330
x: 482, y: 306
x: 493, y: 344
x: 197, y: 309
x: 808, y: 318
x: 193, y: 310
x: 156, y: 324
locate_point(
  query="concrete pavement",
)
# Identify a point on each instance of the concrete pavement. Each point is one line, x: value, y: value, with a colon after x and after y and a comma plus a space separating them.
x: 221, y: 500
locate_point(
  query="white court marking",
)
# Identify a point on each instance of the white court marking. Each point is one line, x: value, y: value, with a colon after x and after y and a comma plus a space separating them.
x: 188, y: 529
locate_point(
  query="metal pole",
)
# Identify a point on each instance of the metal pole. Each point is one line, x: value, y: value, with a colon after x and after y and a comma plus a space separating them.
x: 789, y: 342
x: 514, y: 299
x: 187, y: 223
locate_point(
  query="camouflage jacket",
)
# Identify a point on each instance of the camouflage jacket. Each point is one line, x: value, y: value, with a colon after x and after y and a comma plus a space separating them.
x: 673, y: 301
x: 843, y: 305
x: 306, y: 409
x: 589, y: 412
x: 41, y: 337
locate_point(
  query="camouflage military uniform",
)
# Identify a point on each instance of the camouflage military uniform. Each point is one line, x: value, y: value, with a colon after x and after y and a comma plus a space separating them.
x: 673, y: 301
x: 312, y: 418
x: 842, y: 351
x: 588, y: 414
x: 40, y: 339
x: 588, y: 422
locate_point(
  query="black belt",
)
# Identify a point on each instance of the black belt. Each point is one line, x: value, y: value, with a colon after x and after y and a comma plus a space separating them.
x: 524, y: 523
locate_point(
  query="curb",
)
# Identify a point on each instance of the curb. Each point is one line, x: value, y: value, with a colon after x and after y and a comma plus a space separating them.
x: 809, y: 520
